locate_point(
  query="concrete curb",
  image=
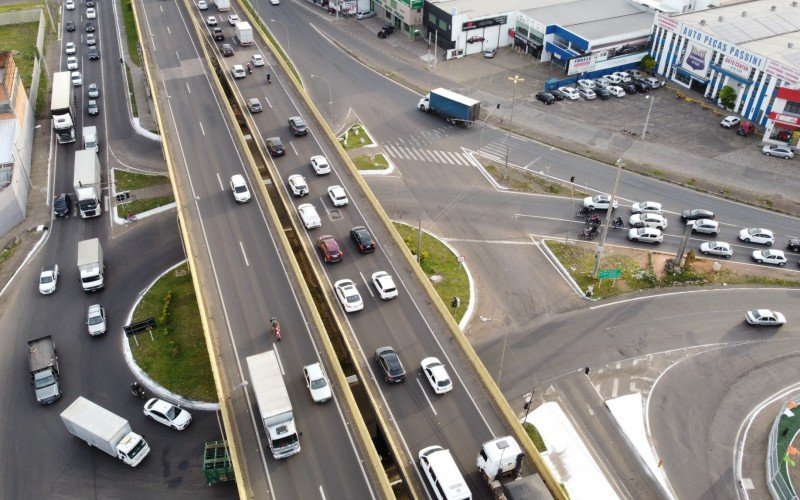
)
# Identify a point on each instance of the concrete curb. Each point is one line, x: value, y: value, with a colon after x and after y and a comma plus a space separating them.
x: 143, y: 131
x: 151, y: 384
x: 31, y: 254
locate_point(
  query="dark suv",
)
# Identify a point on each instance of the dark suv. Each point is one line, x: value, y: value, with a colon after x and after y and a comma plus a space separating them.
x: 298, y: 126
x: 217, y: 33
x: 276, y: 147
x: 329, y: 248
x: 363, y: 239
x: 389, y: 362
x: 62, y: 206
x: 794, y: 244
x: 545, y: 97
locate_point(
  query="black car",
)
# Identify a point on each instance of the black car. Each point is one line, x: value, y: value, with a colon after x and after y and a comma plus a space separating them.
x: 90, y: 3
x: 794, y: 244
x: 557, y: 94
x: 93, y: 53
x: 545, y: 97
x: 226, y: 49
x: 70, y: 26
x: 641, y: 86
x: 602, y: 93
x: 363, y: 239
x: 390, y: 365
x: 697, y: 214
x: 275, y: 147
x: 298, y: 126
x: 628, y: 87
x: 62, y: 206
x: 90, y: 26
x: 644, y: 83
x: 385, y: 31
x: 217, y: 33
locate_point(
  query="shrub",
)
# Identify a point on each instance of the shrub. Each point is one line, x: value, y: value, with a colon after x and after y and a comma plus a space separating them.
x: 727, y: 96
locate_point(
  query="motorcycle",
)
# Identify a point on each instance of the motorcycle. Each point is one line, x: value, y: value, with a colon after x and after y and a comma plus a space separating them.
x: 583, y: 212
x: 249, y: 69
x: 276, y: 328
x: 137, y: 391
x: 594, y: 220
x: 618, y: 223
x: 588, y: 234
x: 269, y: 78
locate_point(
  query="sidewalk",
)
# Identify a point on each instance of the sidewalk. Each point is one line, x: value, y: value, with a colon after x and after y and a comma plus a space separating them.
x: 739, y: 173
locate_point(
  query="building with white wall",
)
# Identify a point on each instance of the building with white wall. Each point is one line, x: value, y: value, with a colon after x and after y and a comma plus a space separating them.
x: 753, y: 47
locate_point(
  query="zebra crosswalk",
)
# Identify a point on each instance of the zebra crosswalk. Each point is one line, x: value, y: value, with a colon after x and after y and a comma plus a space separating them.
x: 428, y: 155
x: 496, y: 148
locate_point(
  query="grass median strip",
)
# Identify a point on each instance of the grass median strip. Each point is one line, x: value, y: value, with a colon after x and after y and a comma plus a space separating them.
x: 143, y: 205
x: 127, y: 181
x: 371, y: 162
x: 355, y: 137
x: 177, y: 358
x: 441, y: 266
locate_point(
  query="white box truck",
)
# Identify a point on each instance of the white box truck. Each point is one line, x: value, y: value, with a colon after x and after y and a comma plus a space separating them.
x: 62, y: 107
x: 223, y: 5
x: 104, y: 430
x: 244, y: 33
x: 90, y: 139
x: 86, y: 181
x: 90, y: 265
x: 273, y: 404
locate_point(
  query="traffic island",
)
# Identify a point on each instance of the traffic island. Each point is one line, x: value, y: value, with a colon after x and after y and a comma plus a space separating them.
x: 639, y: 269
x: 371, y: 162
x: 515, y: 178
x: 174, y: 354
x: 355, y: 137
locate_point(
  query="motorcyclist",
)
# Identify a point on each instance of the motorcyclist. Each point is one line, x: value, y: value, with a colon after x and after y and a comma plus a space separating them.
x: 269, y: 78
x: 276, y: 327
x: 618, y: 222
x: 249, y: 69
x: 137, y: 390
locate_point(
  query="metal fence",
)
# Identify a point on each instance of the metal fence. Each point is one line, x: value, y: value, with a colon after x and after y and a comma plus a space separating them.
x: 779, y: 486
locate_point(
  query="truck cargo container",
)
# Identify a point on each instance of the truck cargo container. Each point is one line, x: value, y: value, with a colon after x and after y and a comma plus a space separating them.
x: 87, y: 184
x: 90, y: 265
x: 62, y: 107
x: 273, y: 404
x: 455, y: 108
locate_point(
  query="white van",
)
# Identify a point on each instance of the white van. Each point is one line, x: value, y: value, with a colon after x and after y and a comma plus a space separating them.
x: 443, y: 475
x: 616, y: 91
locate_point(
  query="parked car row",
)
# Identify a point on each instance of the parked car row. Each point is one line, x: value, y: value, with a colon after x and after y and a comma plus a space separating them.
x: 617, y: 84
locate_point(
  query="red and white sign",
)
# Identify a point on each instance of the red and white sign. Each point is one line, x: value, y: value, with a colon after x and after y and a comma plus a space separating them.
x: 581, y: 64
x: 667, y: 22
x: 785, y: 73
x: 736, y: 67
x: 784, y: 119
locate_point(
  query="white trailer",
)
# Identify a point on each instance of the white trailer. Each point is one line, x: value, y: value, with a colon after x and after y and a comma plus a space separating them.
x: 87, y: 184
x: 244, y: 33
x: 274, y: 404
x: 104, y: 430
x: 62, y: 107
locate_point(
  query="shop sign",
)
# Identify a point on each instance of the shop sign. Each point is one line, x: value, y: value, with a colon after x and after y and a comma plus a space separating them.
x: 735, y: 67
x: 785, y: 73
x: 581, y: 64
x: 696, y: 60
x: 786, y: 119
x: 667, y: 22
x: 702, y: 38
x: 484, y: 23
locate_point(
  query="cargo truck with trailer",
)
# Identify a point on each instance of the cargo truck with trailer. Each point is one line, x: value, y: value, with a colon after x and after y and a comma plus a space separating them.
x: 273, y: 404
x: 87, y: 184
x: 455, y: 108
x: 105, y: 431
x: 500, y: 465
x: 62, y: 107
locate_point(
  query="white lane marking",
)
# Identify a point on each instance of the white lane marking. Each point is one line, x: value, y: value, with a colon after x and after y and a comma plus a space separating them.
x: 221, y: 186
x: 293, y: 149
x: 421, y: 388
x: 188, y: 89
x: 366, y: 284
x: 267, y: 101
x: 321, y: 492
x: 244, y: 254
x: 278, y: 355
x: 614, y: 388
x: 202, y: 130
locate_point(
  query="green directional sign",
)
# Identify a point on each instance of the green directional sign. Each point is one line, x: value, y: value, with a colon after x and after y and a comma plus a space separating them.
x: 609, y: 274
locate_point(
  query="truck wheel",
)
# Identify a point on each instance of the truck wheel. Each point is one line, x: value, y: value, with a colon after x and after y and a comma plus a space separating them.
x: 422, y: 107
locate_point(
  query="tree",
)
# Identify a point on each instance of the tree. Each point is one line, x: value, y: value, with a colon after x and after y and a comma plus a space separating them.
x: 648, y: 63
x: 727, y: 96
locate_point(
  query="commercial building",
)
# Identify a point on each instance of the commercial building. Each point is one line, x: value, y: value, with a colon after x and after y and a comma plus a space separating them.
x: 752, y: 47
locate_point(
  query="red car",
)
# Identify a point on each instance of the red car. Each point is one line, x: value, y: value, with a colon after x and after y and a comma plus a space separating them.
x: 330, y: 248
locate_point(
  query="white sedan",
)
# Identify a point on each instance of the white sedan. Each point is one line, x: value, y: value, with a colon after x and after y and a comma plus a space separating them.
x: 437, y: 375
x: 774, y: 257
x: 348, y: 295
x: 297, y: 185
x: 167, y: 414
x: 765, y: 317
x: 649, y: 207
x: 646, y: 235
x: 72, y: 62
x: 338, y: 196
x: 757, y: 235
x: 648, y: 220
x: 384, y: 284
x: 309, y: 216
x: 96, y: 320
x: 730, y: 121
x: 599, y: 202
x: 233, y: 19
x: 211, y: 21
x: 202, y: 5
x: 69, y: 4
x: 48, y: 280
x: 570, y: 92
x: 317, y: 383
x: 257, y: 60
x: 239, y: 189
x: 91, y: 13
x: 69, y: 48
x: 320, y: 165
x: 719, y: 248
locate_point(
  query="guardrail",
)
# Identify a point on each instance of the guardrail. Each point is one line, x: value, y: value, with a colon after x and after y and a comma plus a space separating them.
x: 778, y: 481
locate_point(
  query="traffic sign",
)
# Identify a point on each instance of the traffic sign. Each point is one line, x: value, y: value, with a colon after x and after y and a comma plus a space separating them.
x: 609, y: 274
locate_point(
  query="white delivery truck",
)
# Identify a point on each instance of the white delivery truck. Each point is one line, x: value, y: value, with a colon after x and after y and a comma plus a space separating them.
x: 90, y: 265
x: 86, y: 182
x: 244, y: 33
x: 90, y: 139
x: 500, y: 465
x: 273, y: 404
x: 62, y: 107
x: 104, y: 430
x: 223, y: 5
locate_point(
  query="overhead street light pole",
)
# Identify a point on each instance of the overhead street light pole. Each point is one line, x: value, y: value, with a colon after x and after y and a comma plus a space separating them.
x: 599, y: 252
x: 516, y: 79
x: 484, y: 319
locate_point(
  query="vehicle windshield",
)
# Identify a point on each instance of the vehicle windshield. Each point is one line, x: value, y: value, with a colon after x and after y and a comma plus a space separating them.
x: 136, y: 449
x: 444, y: 382
x: 95, y: 320
x: 353, y: 298
x: 45, y: 382
x: 173, y: 413
x: 284, y: 442
x: 241, y: 189
x: 46, y: 279
x: 318, y: 383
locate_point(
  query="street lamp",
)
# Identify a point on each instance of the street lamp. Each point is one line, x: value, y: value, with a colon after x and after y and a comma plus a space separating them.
x: 516, y: 80
x: 287, y: 34
x: 330, y: 94
x: 484, y: 124
x: 484, y: 319
x: 649, y: 109
x: 599, y: 252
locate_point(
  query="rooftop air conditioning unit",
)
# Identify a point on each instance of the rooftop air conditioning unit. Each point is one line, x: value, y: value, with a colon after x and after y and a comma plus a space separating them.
x: 744, y: 13
x: 720, y: 18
